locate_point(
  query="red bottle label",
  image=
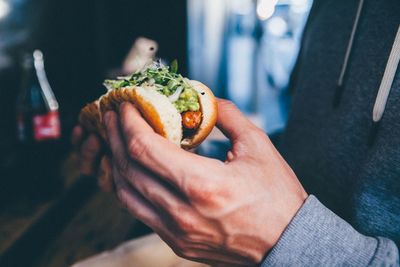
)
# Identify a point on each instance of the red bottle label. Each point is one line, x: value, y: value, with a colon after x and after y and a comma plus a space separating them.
x: 46, y: 126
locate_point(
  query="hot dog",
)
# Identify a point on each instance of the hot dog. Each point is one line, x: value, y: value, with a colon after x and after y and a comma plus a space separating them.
x: 183, y: 111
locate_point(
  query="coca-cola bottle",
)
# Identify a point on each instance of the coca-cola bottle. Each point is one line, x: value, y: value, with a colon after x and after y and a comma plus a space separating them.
x: 37, y: 108
x: 38, y: 129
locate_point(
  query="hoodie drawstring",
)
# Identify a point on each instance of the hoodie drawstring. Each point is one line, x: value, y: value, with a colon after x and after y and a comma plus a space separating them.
x: 388, y: 77
x: 387, y: 80
x: 350, y: 44
x: 343, y: 71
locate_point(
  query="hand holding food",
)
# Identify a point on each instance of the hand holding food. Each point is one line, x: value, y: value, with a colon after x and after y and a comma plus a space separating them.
x: 178, y: 109
x: 220, y: 213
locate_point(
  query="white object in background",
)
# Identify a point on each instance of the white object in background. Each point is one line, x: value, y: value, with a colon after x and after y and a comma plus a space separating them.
x: 4, y: 8
x: 141, y: 54
x: 148, y: 251
x: 266, y: 8
x: 277, y: 26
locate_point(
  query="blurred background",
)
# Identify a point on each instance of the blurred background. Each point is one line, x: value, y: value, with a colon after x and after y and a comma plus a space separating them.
x: 244, y: 50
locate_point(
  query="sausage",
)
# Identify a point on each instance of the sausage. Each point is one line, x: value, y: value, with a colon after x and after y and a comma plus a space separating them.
x: 191, y: 119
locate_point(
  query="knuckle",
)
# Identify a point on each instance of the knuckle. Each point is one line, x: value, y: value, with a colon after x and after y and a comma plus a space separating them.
x: 138, y: 146
x: 150, y: 192
x: 204, y: 193
x: 213, y: 196
x: 122, y: 198
x: 138, y: 213
x: 227, y: 104
x: 186, y: 223
x: 256, y: 135
x: 209, y: 188
x: 123, y: 166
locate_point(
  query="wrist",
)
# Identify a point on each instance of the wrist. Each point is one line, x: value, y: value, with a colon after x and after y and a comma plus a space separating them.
x: 285, y: 211
x: 276, y: 218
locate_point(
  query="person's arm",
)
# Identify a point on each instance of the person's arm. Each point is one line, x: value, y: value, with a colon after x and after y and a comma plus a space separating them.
x: 318, y: 237
x: 229, y: 213
x: 207, y: 210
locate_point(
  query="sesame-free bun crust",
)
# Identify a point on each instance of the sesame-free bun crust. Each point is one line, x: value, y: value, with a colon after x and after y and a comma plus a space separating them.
x: 90, y: 118
x: 157, y: 110
x: 209, y: 108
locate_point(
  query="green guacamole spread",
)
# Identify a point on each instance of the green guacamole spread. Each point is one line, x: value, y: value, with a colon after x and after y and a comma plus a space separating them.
x: 165, y: 80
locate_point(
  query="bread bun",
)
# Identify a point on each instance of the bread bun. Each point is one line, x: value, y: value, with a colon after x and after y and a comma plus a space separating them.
x: 90, y: 118
x: 208, y: 106
x: 157, y: 110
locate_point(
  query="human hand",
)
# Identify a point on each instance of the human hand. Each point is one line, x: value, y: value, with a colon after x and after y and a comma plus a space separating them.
x: 91, y: 159
x: 221, y: 213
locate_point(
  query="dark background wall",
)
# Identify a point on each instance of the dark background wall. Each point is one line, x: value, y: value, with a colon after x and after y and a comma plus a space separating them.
x: 82, y: 41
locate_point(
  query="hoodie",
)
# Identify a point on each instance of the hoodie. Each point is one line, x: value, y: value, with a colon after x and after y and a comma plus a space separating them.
x: 343, y: 138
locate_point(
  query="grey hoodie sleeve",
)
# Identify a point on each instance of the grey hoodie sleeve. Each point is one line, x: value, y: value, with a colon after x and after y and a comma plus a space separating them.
x: 318, y: 237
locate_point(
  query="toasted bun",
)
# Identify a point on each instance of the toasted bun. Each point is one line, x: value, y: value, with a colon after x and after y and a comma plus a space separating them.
x: 209, y: 108
x: 158, y: 111
x: 90, y: 118
x: 155, y: 108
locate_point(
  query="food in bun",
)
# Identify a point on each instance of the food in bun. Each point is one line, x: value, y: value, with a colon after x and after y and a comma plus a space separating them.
x: 181, y: 110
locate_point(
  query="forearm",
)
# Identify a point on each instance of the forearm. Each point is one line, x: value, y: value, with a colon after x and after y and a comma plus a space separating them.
x: 318, y: 237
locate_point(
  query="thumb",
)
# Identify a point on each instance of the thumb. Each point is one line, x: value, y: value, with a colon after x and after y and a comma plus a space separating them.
x: 246, y: 138
x: 232, y: 122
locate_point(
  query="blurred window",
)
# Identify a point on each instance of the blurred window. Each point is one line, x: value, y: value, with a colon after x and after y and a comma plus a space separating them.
x: 245, y: 51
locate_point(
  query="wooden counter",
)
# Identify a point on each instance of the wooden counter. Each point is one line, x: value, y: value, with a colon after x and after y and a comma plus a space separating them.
x: 101, y: 224
x: 79, y: 223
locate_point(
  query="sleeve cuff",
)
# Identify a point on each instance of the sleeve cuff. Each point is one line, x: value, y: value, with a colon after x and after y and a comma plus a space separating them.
x: 318, y: 237
x: 386, y: 254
